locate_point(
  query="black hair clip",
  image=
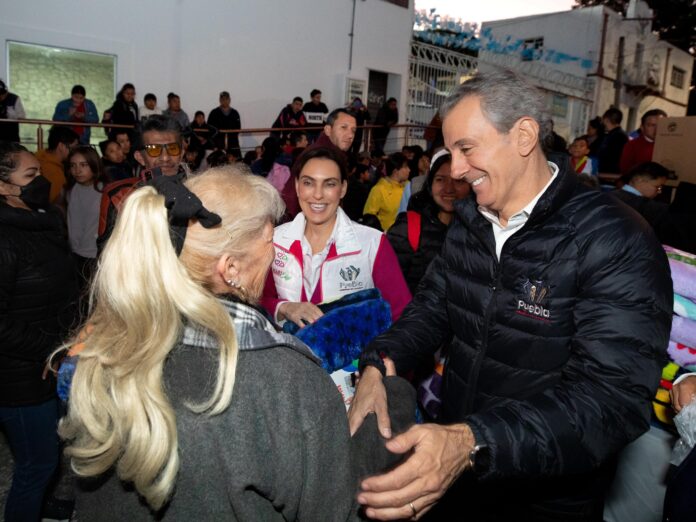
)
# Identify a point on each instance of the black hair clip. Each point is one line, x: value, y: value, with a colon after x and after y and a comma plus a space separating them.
x: 182, y: 206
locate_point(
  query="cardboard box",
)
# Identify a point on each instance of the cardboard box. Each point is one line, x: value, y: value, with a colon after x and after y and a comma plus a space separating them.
x: 675, y: 146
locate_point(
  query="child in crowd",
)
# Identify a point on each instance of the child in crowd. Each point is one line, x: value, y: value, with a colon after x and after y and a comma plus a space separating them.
x: 385, y: 196
x: 83, y: 195
x: 150, y: 106
x: 114, y: 161
x: 579, y: 155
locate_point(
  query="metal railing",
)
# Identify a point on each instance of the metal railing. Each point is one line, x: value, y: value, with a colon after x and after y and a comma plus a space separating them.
x: 407, y: 133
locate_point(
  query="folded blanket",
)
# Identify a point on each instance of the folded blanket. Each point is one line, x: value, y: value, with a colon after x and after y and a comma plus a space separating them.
x: 680, y: 255
x: 683, y: 278
x: 683, y: 331
x: 683, y: 355
x: 684, y: 307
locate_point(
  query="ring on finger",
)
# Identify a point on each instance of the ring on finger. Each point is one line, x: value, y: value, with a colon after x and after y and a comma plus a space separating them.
x: 413, y: 510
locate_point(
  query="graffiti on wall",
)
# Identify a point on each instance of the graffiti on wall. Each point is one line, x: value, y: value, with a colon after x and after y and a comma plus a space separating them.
x: 454, y: 34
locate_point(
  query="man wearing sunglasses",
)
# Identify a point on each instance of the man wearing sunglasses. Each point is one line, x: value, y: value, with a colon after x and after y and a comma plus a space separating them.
x: 159, y: 154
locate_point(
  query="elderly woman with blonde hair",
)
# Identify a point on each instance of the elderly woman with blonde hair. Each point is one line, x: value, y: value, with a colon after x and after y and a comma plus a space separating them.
x: 186, y: 404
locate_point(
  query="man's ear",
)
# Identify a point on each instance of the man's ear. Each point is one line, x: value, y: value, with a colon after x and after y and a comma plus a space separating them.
x: 527, y: 135
x: 138, y: 155
x: 327, y: 130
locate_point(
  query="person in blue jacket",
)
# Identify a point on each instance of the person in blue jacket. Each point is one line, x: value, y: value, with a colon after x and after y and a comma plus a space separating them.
x: 78, y: 109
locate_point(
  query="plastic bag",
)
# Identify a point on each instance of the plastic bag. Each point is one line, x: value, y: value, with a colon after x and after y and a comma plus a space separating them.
x: 685, y: 422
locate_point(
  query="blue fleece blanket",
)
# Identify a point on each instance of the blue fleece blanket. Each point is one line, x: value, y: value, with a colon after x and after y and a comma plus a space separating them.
x: 346, y: 327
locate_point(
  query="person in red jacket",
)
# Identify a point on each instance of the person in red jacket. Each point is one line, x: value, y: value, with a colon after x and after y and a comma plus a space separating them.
x: 640, y: 150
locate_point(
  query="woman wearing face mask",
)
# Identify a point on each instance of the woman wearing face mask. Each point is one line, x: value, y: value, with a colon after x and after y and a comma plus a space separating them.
x: 417, y: 235
x: 322, y: 255
x: 38, y: 293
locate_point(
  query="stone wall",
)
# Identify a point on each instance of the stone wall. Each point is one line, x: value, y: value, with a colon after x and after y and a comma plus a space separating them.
x: 42, y: 76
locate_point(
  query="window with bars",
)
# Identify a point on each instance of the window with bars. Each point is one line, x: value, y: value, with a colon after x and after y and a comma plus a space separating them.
x: 677, y: 79
x: 532, y: 49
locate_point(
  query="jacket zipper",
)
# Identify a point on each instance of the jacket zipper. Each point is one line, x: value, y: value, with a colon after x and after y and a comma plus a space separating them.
x: 474, y: 374
x: 473, y: 378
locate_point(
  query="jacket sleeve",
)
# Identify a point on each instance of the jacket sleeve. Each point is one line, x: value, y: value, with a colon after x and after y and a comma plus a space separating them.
x: 622, y: 317
x: 20, y: 340
x: 422, y: 328
x: 270, y: 299
x: 19, y: 112
x: 326, y: 468
x: 374, y: 201
x: 92, y: 115
x: 398, y: 239
x: 388, y: 278
x: 627, y: 158
x: 61, y: 112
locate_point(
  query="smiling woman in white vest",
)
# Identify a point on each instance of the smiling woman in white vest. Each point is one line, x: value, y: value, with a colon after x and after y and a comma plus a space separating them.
x: 322, y: 255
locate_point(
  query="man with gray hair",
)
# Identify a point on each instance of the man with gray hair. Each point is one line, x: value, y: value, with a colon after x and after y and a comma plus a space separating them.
x: 554, y: 305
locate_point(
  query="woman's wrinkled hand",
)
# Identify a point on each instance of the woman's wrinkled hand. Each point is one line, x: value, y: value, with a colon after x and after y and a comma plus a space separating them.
x: 301, y: 314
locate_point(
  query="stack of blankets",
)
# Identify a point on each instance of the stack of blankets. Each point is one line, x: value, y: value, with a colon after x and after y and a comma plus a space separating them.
x: 682, y: 342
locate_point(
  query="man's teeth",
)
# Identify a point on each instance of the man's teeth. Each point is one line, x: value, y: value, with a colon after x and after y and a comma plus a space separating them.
x: 477, y: 181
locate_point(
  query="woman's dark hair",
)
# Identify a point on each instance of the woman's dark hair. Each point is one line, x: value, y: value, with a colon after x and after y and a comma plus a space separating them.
x: 103, y: 145
x: 596, y: 123
x: 296, y: 153
x: 321, y: 153
x: 217, y: 158
x: 394, y: 162
x: 126, y: 86
x: 95, y: 165
x: 271, y: 151
x: 8, y: 158
x: 249, y: 157
x: 418, y: 153
x: 424, y: 199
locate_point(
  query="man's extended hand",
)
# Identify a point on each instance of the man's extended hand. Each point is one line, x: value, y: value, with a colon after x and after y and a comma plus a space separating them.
x: 683, y: 393
x: 439, y: 455
x: 371, y: 397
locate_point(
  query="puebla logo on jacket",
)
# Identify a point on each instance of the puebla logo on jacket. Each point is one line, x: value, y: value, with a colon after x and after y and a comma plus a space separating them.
x: 534, y: 296
x: 350, y: 275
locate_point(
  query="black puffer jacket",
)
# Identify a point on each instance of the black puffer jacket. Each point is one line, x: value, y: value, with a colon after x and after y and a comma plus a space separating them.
x: 432, y: 236
x: 672, y: 228
x: 557, y: 348
x: 38, y: 292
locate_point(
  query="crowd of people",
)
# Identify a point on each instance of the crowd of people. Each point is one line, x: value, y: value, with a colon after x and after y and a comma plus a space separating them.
x: 146, y: 294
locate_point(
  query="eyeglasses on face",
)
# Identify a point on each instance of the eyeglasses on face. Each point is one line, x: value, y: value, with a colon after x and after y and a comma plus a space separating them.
x: 154, y: 150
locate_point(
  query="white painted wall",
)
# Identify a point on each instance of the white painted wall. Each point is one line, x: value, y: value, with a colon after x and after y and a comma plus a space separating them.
x: 264, y: 52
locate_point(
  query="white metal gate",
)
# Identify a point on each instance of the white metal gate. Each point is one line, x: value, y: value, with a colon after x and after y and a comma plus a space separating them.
x: 433, y: 73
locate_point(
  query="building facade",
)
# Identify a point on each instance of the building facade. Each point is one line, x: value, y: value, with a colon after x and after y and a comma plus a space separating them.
x: 589, y: 59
